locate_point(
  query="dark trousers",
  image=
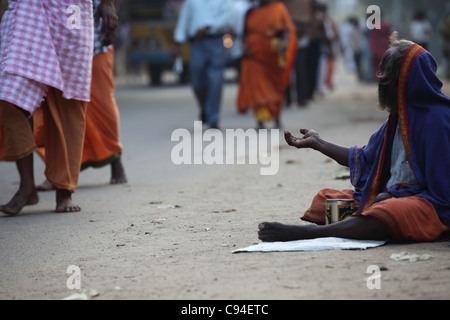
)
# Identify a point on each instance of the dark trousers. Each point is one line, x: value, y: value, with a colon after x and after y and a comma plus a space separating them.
x: 312, y: 66
x: 206, y: 67
x: 301, y: 75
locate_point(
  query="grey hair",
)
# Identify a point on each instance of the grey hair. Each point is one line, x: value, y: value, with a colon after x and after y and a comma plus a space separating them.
x: 391, y: 63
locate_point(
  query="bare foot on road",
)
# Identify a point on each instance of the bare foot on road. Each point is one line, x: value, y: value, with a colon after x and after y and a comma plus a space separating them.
x: 64, y: 201
x: 117, y: 173
x: 21, y: 199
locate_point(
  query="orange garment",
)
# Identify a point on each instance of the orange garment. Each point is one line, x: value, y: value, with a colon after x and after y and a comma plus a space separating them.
x: 409, y: 218
x: 265, y: 70
x: 316, y: 212
x: 331, y: 63
x: 16, y: 140
x: 64, y: 135
x: 62, y: 132
x: 101, y: 143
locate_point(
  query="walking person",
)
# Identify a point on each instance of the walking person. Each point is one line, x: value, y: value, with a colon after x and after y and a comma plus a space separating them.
x: 327, y: 60
x: 239, y: 9
x: 420, y: 29
x: 101, y: 145
x: 300, y: 11
x: 317, y: 37
x: 355, y: 43
x: 271, y: 45
x: 56, y: 76
x: 379, y: 43
x: 445, y: 32
x: 203, y: 23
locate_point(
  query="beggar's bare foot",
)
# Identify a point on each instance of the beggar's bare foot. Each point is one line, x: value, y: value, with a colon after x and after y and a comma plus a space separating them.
x: 275, y: 231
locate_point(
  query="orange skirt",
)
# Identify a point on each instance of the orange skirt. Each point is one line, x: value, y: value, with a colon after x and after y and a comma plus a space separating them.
x: 409, y: 218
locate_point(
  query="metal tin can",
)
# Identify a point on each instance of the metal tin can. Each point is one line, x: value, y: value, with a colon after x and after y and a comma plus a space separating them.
x: 338, y: 209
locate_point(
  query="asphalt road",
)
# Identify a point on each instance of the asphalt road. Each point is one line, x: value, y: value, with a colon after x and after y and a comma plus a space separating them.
x: 38, y: 245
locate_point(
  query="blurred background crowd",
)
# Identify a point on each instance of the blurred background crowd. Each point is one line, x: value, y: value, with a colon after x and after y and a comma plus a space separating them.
x: 144, y: 44
x: 145, y: 41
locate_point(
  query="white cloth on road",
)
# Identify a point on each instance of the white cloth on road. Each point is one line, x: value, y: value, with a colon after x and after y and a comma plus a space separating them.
x: 318, y: 244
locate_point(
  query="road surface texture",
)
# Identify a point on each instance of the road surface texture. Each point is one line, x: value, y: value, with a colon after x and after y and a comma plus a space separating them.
x: 170, y: 231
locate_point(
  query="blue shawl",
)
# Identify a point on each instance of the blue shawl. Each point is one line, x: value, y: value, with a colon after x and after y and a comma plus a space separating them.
x: 424, y: 119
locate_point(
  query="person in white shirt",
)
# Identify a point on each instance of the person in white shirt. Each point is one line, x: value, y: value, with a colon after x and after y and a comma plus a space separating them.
x: 203, y: 23
x: 238, y: 12
x: 421, y: 29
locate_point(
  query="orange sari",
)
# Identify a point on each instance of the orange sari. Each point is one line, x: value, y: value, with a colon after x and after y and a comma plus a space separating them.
x: 102, y: 143
x: 265, y: 70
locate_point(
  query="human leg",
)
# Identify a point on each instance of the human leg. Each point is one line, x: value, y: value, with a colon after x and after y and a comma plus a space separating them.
x: 262, y: 115
x: 19, y: 146
x: 197, y: 75
x: 313, y: 65
x: 358, y: 227
x: 301, y: 76
x: 331, y: 64
x: 26, y: 195
x: 399, y: 219
x: 214, y: 77
x: 448, y: 68
x: 39, y: 137
x: 118, y: 175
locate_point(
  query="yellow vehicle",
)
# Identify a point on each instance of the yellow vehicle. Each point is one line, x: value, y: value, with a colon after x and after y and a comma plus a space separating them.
x: 151, y: 44
x: 152, y: 24
x: 151, y: 27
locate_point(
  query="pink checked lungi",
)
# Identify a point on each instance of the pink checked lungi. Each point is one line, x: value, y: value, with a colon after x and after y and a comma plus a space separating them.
x: 33, y: 57
x: 46, y: 61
